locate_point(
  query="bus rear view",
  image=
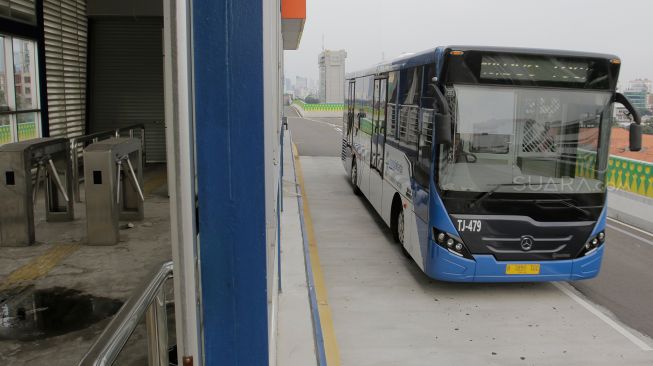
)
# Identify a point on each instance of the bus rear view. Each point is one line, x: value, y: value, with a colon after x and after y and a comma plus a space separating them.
x: 518, y: 143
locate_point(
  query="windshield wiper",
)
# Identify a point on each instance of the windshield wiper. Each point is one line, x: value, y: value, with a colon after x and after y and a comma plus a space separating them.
x: 561, y: 199
x: 565, y: 201
x: 484, y: 196
x: 491, y: 191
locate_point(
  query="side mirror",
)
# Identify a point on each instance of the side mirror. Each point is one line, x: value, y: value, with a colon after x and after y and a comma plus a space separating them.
x: 442, y: 129
x: 635, y: 137
x: 635, y: 127
x: 442, y: 123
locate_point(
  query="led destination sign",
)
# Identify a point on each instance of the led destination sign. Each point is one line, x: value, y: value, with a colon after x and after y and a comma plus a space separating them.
x: 529, y: 68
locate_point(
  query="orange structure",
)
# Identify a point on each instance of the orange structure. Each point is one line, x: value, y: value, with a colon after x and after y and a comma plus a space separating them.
x: 293, y: 17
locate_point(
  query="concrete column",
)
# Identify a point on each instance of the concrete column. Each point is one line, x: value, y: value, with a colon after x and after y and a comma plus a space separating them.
x: 228, y: 38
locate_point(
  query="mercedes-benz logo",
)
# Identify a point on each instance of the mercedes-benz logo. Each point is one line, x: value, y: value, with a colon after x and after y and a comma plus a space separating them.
x: 527, y: 243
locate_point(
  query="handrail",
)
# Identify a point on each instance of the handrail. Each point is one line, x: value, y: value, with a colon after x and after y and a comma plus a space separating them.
x: 150, y: 299
x: 95, y: 137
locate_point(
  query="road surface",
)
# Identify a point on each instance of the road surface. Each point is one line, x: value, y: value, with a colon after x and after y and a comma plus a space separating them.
x: 385, y: 311
x: 315, y: 136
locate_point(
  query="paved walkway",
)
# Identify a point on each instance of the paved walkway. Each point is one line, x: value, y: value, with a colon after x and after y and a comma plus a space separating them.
x: 386, y: 312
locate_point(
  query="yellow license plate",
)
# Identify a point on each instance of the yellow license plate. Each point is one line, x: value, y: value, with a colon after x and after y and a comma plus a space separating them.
x: 523, y: 269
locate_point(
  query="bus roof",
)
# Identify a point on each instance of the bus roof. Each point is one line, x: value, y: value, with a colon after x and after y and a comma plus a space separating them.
x: 434, y: 55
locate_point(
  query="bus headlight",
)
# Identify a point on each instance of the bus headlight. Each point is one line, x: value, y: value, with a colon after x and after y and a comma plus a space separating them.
x: 592, y: 244
x: 452, y: 244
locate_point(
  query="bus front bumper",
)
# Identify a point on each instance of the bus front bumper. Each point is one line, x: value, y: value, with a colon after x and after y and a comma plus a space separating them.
x: 445, y: 266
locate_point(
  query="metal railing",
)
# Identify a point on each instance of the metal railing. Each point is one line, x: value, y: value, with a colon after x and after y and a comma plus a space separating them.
x: 149, y: 301
x: 78, y: 141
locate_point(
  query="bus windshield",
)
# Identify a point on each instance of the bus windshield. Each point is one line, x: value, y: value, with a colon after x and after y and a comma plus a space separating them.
x: 520, y: 139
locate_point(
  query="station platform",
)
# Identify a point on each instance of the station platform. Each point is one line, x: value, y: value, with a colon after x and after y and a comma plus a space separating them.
x: 382, y: 310
x: 59, y: 294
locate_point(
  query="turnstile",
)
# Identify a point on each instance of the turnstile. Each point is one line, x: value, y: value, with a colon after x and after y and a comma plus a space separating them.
x: 113, y: 176
x: 19, y: 189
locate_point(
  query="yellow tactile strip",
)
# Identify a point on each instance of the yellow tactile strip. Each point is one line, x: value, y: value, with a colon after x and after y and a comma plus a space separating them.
x: 39, y: 266
x: 326, y: 319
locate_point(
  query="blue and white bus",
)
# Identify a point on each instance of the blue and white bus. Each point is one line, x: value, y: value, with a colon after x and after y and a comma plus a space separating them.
x: 488, y: 164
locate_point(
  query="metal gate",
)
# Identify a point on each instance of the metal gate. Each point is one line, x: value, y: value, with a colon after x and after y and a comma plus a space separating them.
x: 126, y: 78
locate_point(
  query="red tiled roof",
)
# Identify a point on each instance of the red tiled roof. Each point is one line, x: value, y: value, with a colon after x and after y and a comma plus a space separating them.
x: 619, y: 145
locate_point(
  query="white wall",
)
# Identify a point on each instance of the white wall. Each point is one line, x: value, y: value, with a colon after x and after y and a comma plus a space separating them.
x: 272, y: 102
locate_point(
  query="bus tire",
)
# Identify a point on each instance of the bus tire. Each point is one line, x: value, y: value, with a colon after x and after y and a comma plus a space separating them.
x: 394, y: 216
x: 354, y: 178
x: 398, y: 226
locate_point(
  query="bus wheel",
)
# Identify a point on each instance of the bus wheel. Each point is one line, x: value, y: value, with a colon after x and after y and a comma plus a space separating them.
x: 354, y: 179
x: 400, y: 232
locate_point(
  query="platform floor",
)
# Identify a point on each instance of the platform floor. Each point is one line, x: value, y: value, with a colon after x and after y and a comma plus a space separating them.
x: 73, y: 281
x: 387, y: 312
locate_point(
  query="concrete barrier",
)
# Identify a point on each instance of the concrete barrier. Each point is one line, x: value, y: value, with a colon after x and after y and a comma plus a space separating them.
x: 329, y: 110
x: 633, y: 209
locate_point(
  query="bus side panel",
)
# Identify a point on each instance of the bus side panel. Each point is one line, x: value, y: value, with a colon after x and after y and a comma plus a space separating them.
x: 413, y: 226
x: 397, y: 170
x: 389, y: 192
x: 346, y: 157
x: 421, y: 198
x: 398, y: 180
x: 363, y: 162
x: 346, y: 152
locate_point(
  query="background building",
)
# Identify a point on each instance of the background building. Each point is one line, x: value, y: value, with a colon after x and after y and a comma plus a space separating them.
x: 639, y: 99
x: 641, y: 85
x: 332, y: 76
x: 638, y: 91
x: 301, y: 87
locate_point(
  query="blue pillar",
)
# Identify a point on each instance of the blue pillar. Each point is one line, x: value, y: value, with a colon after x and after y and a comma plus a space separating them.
x: 228, y: 85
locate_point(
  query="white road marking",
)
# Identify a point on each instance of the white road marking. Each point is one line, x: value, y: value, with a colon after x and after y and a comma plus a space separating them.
x: 631, y: 227
x: 565, y: 288
x: 339, y: 129
x: 643, y: 240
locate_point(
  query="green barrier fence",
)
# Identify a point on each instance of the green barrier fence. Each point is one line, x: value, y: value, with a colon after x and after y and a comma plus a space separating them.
x: 26, y: 131
x: 5, y: 134
x: 322, y: 107
x: 629, y: 175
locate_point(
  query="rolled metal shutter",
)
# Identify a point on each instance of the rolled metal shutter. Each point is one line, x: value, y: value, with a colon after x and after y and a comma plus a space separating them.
x: 19, y: 10
x: 65, y: 26
x: 126, y: 78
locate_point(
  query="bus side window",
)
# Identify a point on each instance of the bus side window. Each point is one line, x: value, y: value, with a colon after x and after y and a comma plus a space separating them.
x: 393, y: 77
x: 410, y: 86
x: 427, y: 116
x: 359, y: 106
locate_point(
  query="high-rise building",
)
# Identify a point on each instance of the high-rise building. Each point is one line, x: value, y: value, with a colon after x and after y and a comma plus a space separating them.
x: 287, y: 85
x: 638, y: 93
x: 332, y: 76
x: 638, y: 98
x: 301, y: 87
x: 644, y: 85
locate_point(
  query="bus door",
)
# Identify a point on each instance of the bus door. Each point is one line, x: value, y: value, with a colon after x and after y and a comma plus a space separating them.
x: 350, y: 112
x: 378, y: 141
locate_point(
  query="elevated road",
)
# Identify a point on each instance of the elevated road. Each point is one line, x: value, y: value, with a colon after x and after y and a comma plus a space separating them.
x: 315, y: 136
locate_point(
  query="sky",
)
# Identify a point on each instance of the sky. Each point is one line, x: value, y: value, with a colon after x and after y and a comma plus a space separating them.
x: 373, y: 30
